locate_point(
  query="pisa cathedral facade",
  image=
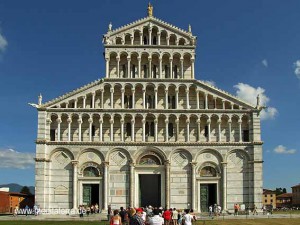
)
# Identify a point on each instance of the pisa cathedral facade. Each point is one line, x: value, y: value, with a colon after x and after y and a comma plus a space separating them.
x: 149, y: 132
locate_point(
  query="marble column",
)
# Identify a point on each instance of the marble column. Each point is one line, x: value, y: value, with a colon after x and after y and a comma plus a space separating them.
x: 131, y: 200
x: 171, y: 68
x: 79, y: 128
x: 102, y: 98
x: 197, y: 98
x: 224, y: 164
x: 166, y: 99
x: 188, y: 130
x: 177, y: 96
x: 181, y: 67
x: 223, y: 104
x: 208, y: 126
x: 105, y: 188
x: 156, y: 129
x: 141, y: 38
x: 132, y: 130
x: 193, y: 69
x: 58, y: 129
x: 158, y: 38
x: 107, y: 67
x: 122, y: 97
x: 187, y: 92
x: 219, y: 130
x: 167, y: 167
x: 150, y: 68
x: 111, y: 121
x: 69, y: 120
x: 128, y: 68
x: 133, y: 97
x: 100, y: 129
x: 167, y: 130
x: 229, y: 130
x: 144, y: 130
x: 144, y: 98
x: 139, y: 67
x: 199, y: 129
x: 75, y: 184
x: 90, y: 128
x: 93, y: 100
x: 155, y: 96
x: 118, y: 67
x: 84, y: 101
x: 122, y: 130
x: 177, y: 130
x: 160, y: 67
x: 206, y: 100
x: 193, y: 184
x: 240, y: 130
x: 112, y: 98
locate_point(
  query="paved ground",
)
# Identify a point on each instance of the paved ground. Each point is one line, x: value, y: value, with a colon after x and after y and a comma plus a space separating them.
x: 101, y: 217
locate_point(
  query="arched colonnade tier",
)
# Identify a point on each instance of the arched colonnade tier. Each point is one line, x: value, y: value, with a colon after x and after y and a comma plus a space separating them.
x: 206, y: 164
x: 152, y: 64
x: 150, y: 127
x: 149, y: 35
x: 147, y: 96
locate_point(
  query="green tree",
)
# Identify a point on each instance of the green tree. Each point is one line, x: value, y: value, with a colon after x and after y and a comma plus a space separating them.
x: 25, y: 190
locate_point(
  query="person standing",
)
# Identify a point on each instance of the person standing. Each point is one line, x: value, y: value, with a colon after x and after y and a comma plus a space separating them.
x: 167, y: 216
x: 156, y: 219
x: 255, y: 210
x: 136, y: 218
x: 175, y: 216
x: 210, y: 210
x: 115, y: 219
x: 187, y: 218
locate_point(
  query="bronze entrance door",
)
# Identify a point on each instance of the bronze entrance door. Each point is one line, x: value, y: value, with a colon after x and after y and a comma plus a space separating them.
x: 150, y: 190
x: 90, y: 194
x: 208, y: 196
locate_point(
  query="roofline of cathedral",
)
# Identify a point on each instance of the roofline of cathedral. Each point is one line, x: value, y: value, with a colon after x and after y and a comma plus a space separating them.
x: 99, y: 81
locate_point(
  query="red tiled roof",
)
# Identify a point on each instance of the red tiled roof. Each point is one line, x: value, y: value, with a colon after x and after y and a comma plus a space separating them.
x: 285, y: 195
x: 267, y: 191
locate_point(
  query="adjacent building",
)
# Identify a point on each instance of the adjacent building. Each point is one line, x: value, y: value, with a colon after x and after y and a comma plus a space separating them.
x: 148, y: 132
x: 284, y: 200
x: 269, y: 197
x: 296, y: 195
x: 10, y: 200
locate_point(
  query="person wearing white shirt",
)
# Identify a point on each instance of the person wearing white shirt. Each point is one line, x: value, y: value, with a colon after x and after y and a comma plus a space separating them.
x: 156, y: 219
x: 187, y: 218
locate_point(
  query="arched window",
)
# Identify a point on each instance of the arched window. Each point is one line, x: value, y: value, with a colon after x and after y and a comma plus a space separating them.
x: 171, y: 129
x: 154, y: 71
x: 208, y: 171
x: 154, y: 40
x: 149, y: 160
x: 175, y: 72
x: 124, y: 70
x: 91, y: 172
x: 166, y: 72
x: 133, y: 71
x: 128, y: 129
x: 145, y: 71
x: 145, y: 40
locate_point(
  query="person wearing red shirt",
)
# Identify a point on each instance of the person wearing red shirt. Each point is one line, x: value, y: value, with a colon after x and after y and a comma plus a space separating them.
x: 167, y: 215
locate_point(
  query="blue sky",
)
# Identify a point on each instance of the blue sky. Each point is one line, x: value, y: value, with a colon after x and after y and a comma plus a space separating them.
x: 244, y: 47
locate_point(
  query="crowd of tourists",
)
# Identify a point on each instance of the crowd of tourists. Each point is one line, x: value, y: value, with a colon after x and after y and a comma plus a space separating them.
x: 151, y: 216
x: 89, y: 209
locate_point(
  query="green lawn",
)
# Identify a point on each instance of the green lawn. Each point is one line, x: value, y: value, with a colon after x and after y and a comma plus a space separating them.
x: 215, y: 222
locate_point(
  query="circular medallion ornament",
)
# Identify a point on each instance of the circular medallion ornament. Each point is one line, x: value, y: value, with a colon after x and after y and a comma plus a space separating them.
x: 90, y: 156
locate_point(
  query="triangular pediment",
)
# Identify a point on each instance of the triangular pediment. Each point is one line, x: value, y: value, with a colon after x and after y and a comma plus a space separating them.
x: 148, y: 22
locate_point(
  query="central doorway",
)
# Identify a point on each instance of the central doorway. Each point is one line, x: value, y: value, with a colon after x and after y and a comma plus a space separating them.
x: 150, y: 189
x: 90, y: 194
x: 208, y: 196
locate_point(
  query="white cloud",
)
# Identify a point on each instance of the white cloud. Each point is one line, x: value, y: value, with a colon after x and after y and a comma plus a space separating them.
x: 280, y: 149
x: 10, y: 158
x: 3, y: 43
x: 297, y: 68
x: 249, y: 94
x: 210, y: 82
x: 265, y: 63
